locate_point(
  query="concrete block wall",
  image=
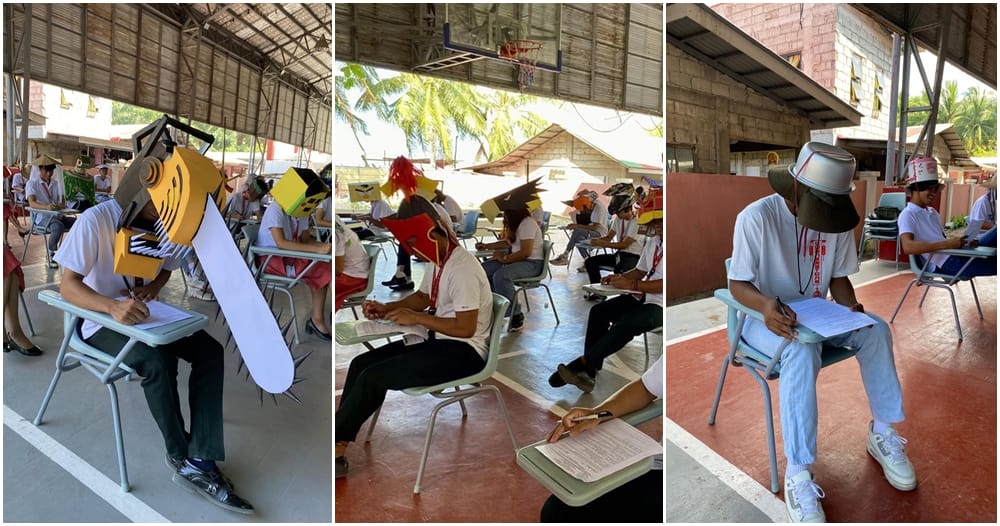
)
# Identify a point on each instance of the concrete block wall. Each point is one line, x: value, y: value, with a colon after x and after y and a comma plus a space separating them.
x: 859, y: 35
x: 708, y: 110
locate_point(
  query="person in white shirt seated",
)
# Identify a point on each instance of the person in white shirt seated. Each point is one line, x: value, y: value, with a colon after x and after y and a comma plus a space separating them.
x: 590, y: 220
x: 350, y: 264
x: 985, y: 208
x: 451, y: 205
x: 628, y: 245
x: 920, y: 229
x: 454, y: 302
x: 44, y: 192
x: 523, y: 237
x: 102, y: 181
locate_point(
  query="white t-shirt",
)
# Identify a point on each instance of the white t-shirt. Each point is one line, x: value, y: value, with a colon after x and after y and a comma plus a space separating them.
x: 18, y: 182
x: 88, y: 250
x: 652, y: 379
x: 652, y: 252
x: 327, y: 207
x: 453, y: 208
x: 529, y: 229
x: 766, y: 253
x: 239, y: 204
x: 628, y: 228
x: 984, y: 209
x: 925, y: 225
x: 44, y: 193
x: 463, y: 287
x: 445, y: 218
x: 599, y: 216
x: 275, y: 217
x: 348, y: 246
x: 102, y: 184
x: 379, y: 209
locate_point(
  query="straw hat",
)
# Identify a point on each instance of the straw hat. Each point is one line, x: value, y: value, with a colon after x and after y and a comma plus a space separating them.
x: 45, y: 160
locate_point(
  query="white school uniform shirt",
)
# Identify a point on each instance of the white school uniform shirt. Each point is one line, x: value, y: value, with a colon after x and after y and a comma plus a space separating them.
x: 767, y: 252
x: 628, y: 228
x: 88, y: 250
x: 238, y: 204
x: 348, y: 246
x: 275, y: 217
x: 463, y: 287
x: 102, y: 184
x: 984, y: 209
x: 599, y: 216
x: 529, y: 229
x: 453, y: 208
x: 379, y: 209
x: 44, y: 193
x: 652, y: 379
x: 650, y: 251
x: 925, y: 225
x: 18, y: 181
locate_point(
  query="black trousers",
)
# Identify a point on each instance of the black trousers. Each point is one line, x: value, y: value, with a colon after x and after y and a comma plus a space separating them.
x: 639, y: 500
x: 158, y: 368
x: 613, y: 323
x: 397, y: 366
x: 621, y: 261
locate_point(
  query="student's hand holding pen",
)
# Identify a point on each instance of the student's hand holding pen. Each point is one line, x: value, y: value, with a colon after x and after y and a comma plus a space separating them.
x: 576, y: 421
x: 373, y: 310
x: 780, y: 319
x: 129, y: 311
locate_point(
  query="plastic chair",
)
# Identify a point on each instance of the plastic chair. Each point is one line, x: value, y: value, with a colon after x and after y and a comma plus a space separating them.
x: 575, y: 492
x: 36, y: 230
x: 355, y: 300
x: 378, y: 239
x: 522, y: 285
x: 469, y: 227
x: 108, y: 369
x: 459, y: 395
x: 883, y: 229
x: 922, y: 276
x: 281, y: 283
x: 761, y: 366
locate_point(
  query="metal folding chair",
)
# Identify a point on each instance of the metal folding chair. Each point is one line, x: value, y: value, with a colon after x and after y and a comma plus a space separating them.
x: 522, y: 285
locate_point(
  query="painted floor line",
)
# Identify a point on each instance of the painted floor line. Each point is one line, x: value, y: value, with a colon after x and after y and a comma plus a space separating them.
x: 523, y: 391
x: 754, y: 493
x: 102, y: 486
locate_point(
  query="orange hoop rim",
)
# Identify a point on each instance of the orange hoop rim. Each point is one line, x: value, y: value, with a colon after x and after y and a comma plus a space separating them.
x: 512, y: 48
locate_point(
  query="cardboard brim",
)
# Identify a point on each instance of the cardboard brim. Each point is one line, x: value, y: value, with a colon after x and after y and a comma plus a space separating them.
x: 819, y: 211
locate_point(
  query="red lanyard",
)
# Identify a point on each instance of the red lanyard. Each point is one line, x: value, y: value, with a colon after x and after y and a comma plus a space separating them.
x: 657, y: 255
x: 45, y: 186
x: 436, y: 280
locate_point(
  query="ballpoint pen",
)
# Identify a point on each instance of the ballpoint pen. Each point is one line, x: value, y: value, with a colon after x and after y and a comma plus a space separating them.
x: 595, y: 416
x: 781, y: 307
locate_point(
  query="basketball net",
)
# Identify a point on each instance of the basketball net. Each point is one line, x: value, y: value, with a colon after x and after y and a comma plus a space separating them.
x: 525, y: 53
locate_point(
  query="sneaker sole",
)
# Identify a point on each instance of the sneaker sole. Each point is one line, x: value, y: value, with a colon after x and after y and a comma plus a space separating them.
x: 184, y: 483
x: 572, y: 381
x: 885, y: 473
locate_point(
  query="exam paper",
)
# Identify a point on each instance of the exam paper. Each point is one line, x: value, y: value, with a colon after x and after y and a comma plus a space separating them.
x: 599, y: 452
x: 828, y: 318
x: 159, y: 314
x: 972, y: 231
x: 608, y: 289
x: 411, y: 333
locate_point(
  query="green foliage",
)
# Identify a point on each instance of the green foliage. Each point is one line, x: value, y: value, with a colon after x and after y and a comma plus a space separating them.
x: 957, y: 221
x: 122, y: 113
x: 974, y: 116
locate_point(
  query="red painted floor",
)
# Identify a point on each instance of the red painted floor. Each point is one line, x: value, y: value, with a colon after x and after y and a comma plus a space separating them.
x: 471, y: 474
x: 949, y: 394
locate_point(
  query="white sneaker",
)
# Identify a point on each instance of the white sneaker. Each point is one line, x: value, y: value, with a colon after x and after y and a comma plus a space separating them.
x: 887, y: 449
x: 802, y: 496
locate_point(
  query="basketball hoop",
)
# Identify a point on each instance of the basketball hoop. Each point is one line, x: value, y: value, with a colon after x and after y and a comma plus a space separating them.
x: 525, y: 53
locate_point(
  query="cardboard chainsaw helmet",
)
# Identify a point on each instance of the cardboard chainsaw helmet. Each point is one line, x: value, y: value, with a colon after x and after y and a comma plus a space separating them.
x: 521, y: 197
x: 179, y: 181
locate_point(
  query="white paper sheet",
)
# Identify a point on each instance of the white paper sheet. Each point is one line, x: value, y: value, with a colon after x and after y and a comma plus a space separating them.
x: 411, y: 333
x: 828, y: 318
x: 603, y: 289
x: 160, y: 314
x: 250, y: 319
x: 599, y: 452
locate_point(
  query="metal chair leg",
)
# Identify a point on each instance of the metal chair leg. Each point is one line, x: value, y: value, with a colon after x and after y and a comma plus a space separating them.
x: 119, y: 440
x: 551, y: 301
x: 31, y: 328
x: 900, y: 304
x: 371, y: 424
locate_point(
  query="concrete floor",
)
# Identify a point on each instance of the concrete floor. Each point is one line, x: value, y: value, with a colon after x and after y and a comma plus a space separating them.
x: 278, y: 455
x: 471, y: 460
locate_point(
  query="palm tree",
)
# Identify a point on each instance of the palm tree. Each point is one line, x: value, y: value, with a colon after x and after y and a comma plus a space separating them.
x: 430, y: 111
x: 976, y: 120
x: 372, y: 99
x: 505, y: 120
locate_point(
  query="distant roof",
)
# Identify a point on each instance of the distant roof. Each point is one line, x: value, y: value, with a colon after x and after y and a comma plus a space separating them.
x: 944, y: 131
x: 713, y: 40
x: 629, y: 145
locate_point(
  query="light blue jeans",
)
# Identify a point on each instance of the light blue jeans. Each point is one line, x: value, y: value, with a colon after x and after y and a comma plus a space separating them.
x: 502, y: 276
x: 800, y: 365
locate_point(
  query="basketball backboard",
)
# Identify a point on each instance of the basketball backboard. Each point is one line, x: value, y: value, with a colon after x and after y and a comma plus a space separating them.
x: 483, y: 29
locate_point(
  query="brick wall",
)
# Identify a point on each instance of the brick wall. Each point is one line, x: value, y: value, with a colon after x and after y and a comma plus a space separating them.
x: 708, y: 110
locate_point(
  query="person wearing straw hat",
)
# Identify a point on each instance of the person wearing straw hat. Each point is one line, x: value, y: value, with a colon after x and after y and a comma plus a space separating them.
x: 79, y: 185
x: 985, y: 208
x: 613, y: 323
x: 920, y: 227
x: 795, y: 244
x: 43, y: 192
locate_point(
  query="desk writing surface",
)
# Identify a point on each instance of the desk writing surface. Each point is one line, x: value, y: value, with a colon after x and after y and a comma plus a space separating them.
x: 346, y: 333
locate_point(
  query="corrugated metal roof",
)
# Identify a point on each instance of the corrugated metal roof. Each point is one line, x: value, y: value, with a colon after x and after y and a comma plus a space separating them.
x: 703, y: 34
x: 972, y: 39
